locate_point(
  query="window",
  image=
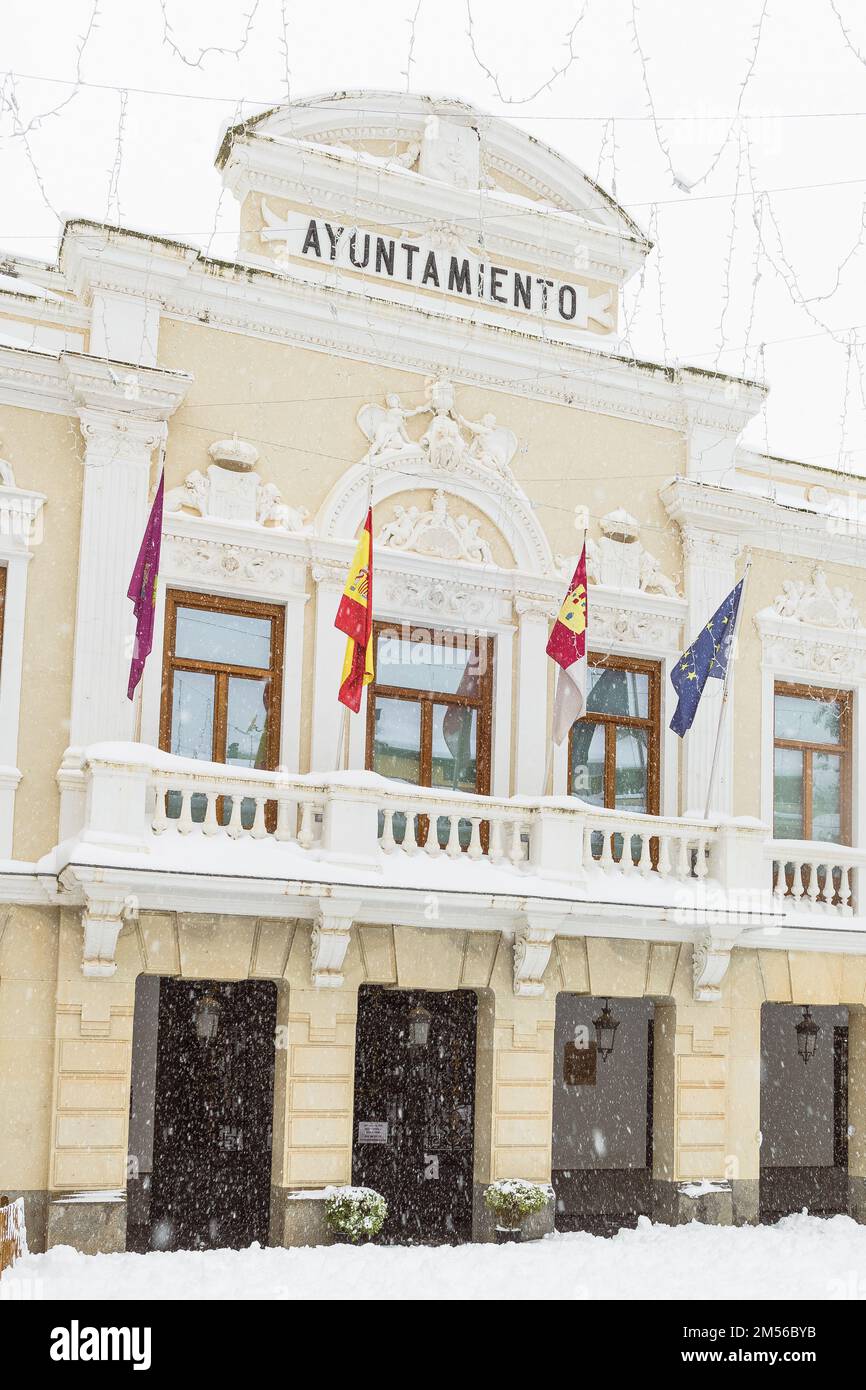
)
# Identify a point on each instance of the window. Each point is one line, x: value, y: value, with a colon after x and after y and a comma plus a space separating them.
x: 812, y: 764
x: 614, y: 750
x: 221, y: 682
x: 429, y: 711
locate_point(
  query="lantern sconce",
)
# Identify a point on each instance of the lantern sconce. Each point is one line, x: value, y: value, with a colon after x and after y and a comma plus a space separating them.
x: 207, y: 1018
x: 807, y: 1031
x: 605, y: 1026
x: 419, y: 1026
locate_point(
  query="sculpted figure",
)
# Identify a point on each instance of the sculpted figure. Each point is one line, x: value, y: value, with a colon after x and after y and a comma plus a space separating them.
x: 386, y: 428
x: 492, y: 445
x: 193, y: 493
x: 652, y: 579
x: 399, y: 531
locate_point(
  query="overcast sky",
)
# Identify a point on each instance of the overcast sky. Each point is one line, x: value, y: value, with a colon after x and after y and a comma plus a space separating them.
x: 760, y: 112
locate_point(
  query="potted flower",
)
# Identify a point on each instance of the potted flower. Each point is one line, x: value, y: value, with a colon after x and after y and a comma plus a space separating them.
x: 511, y: 1200
x: 355, y: 1214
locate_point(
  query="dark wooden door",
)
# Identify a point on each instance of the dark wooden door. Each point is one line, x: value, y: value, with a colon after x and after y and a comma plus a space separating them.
x: 415, y: 1111
x: 213, y: 1114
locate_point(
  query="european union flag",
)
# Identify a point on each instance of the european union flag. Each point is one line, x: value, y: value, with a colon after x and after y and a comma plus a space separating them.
x: 707, y: 656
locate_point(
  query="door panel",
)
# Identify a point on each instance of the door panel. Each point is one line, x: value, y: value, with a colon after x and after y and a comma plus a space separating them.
x: 415, y: 1110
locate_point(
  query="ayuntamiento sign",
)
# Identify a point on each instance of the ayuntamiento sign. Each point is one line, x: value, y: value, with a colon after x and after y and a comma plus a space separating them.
x: 455, y: 271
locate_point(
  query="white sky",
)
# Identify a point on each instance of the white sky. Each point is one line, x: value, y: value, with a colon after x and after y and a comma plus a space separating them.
x: 795, y: 159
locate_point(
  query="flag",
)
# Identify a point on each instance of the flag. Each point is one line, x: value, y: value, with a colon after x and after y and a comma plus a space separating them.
x: 707, y: 656
x: 567, y: 647
x: 355, y: 618
x: 142, y: 589
x: 458, y: 719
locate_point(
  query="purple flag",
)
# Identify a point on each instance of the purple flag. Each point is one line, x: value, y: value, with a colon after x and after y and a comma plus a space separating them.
x: 142, y: 589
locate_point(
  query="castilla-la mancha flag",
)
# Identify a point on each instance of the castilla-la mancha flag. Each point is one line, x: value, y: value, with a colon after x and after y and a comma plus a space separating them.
x: 355, y: 618
x: 142, y: 589
x: 567, y: 647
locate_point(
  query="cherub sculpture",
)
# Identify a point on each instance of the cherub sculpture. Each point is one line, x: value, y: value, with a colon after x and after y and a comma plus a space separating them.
x: 492, y: 445
x: 386, y: 427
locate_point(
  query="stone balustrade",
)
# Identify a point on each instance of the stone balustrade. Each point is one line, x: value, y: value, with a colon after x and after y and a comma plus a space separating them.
x: 810, y: 876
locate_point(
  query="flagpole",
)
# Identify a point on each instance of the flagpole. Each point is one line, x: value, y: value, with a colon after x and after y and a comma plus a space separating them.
x: 726, y: 691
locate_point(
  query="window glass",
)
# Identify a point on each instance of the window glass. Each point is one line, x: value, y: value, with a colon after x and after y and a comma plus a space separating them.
x: 442, y: 667
x: 631, y: 769
x: 611, y: 690
x: 397, y: 739
x: 454, y: 761
x: 807, y: 720
x: 230, y: 639
x: 788, y: 794
x: 192, y: 712
x: 247, y: 723
x: 826, y: 797
x: 587, y: 762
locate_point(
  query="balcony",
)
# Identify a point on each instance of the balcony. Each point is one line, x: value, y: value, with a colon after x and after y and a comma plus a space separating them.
x: 165, y: 833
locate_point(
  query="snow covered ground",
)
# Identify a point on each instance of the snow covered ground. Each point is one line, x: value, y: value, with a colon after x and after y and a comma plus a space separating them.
x: 801, y: 1258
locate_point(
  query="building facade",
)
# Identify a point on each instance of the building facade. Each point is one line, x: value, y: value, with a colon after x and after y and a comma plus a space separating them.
x: 249, y: 950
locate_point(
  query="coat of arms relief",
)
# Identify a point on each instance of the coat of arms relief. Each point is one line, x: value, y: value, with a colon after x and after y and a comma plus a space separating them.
x: 451, y: 442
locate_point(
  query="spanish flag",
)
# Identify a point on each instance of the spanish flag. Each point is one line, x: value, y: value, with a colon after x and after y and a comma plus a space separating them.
x: 355, y: 618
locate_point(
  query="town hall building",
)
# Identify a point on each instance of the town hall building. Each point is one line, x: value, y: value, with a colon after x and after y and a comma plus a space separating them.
x: 251, y: 950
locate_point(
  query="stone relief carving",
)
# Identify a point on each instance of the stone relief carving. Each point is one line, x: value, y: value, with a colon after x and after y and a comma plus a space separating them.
x: 450, y: 153
x: 7, y: 477
x: 436, y: 596
x: 817, y: 603
x: 231, y: 491
x: 211, y: 559
x: 436, y: 532
x: 489, y: 445
x: 619, y: 560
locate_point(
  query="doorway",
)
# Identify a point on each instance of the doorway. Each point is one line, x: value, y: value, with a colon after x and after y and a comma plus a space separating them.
x: 201, y: 1113
x: 415, y: 1110
x: 804, y: 1113
x: 602, y: 1114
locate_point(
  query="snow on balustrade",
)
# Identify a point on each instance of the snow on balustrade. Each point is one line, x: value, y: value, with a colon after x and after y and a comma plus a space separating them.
x: 151, y: 810
x: 815, y: 877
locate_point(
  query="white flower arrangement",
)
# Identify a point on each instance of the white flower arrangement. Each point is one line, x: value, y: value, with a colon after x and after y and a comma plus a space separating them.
x: 513, y: 1199
x: 356, y: 1212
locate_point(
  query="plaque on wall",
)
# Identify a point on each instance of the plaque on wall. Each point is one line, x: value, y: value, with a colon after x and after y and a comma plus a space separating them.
x: 372, y: 1131
x: 579, y: 1064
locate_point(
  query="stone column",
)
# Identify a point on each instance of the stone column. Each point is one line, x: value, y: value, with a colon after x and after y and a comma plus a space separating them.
x: 123, y: 420
x: 690, y: 1114
x: 513, y: 1093
x: 532, y: 675
x: 709, y: 576
x: 330, y: 647
x: 313, y: 1097
x: 857, y: 1112
x: 92, y: 1077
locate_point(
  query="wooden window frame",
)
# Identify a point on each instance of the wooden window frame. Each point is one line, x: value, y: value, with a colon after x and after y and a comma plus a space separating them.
x: 223, y: 671
x: 652, y: 723
x: 843, y: 698
x: 483, y: 702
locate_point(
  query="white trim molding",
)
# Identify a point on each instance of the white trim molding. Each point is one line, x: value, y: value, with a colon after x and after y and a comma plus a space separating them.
x: 20, y: 531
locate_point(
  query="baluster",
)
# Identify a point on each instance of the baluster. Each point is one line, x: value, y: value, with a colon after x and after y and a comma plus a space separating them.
x: 701, y: 869
x: 812, y: 889
x: 160, y: 819
x: 210, y: 824
x: 846, y: 890
x: 684, y: 867
x: 607, y: 860
x: 284, y: 820
x: 496, y: 851
x: 475, y: 849
x: 664, y: 866
x: 185, y: 821
x: 259, y: 829
x: 235, y: 825
x: 386, y: 840
x: 588, y: 856
x: 305, y: 834
x: 645, y: 862
x: 515, y: 848
x: 797, y: 881
x: 409, y: 843
x: 452, y: 848
x: 780, y: 886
